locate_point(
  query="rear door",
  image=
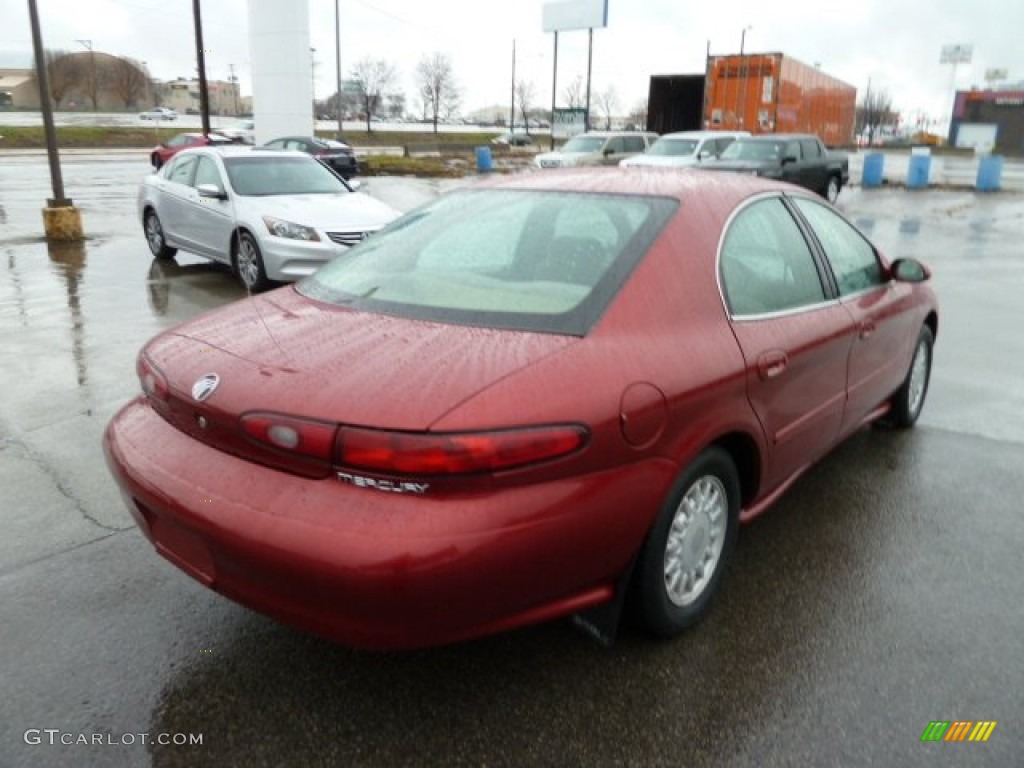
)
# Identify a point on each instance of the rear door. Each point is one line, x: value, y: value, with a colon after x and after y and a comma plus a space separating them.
x: 813, y: 174
x: 881, y: 309
x: 794, y: 336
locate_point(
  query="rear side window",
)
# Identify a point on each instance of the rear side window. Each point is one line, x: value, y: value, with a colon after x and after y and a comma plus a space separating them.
x: 766, y: 264
x: 528, y: 260
x: 852, y: 258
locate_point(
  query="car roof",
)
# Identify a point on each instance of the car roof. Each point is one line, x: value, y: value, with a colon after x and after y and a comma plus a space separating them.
x: 709, y: 188
x: 704, y: 134
x: 779, y: 137
x: 607, y: 134
x: 242, y: 150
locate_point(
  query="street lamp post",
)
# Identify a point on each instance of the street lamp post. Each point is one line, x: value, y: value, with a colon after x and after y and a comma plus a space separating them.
x: 312, y: 69
x: 337, y: 61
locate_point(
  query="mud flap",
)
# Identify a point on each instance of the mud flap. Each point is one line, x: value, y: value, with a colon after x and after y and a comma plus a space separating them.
x: 602, y: 621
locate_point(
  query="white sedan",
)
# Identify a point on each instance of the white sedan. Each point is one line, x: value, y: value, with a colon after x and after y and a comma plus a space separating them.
x: 158, y: 113
x: 271, y: 215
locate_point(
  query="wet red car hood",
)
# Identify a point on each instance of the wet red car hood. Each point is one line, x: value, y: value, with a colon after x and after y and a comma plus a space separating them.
x: 286, y: 353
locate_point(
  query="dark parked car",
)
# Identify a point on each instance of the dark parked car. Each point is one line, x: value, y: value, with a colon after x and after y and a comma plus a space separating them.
x: 164, y: 152
x: 538, y: 396
x: 514, y: 140
x: 797, y: 158
x: 335, y: 154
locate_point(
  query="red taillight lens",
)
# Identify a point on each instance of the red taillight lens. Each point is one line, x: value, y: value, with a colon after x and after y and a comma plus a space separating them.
x: 154, y: 383
x: 456, y: 453
x: 301, y: 436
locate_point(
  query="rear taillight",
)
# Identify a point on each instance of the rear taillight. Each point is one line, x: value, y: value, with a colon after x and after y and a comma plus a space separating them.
x: 305, y: 437
x: 154, y: 383
x: 409, y: 453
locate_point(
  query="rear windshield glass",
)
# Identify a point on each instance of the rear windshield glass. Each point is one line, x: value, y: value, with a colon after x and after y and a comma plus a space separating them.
x: 269, y: 175
x: 528, y: 260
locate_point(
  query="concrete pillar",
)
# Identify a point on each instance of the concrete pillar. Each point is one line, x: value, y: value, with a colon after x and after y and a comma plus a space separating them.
x: 62, y: 223
x: 282, y: 69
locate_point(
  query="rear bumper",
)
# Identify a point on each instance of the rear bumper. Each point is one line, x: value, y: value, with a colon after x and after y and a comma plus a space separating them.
x: 373, y: 569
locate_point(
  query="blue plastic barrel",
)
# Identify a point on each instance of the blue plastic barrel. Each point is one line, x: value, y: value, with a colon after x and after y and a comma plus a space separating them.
x: 990, y: 169
x: 872, y: 174
x: 917, y: 174
x: 484, y: 163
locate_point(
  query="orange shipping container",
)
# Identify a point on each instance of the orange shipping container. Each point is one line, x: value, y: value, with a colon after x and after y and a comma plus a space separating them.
x: 773, y: 93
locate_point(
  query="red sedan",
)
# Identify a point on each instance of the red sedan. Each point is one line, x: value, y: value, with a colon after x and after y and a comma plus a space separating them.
x: 165, y: 151
x: 531, y: 398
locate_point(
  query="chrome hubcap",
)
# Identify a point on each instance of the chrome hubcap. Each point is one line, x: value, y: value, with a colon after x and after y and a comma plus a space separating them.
x: 695, y: 540
x: 918, y: 377
x: 154, y: 234
x: 833, y: 191
x: 248, y: 268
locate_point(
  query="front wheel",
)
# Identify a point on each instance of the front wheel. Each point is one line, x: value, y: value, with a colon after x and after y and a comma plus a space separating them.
x: 685, y: 555
x: 909, y: 398
x: 249, y: 264
x: 155, y: 161
x: 832, y: 187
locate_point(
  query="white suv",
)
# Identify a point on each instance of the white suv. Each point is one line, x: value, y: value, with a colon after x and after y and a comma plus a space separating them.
x: 685, y: 148
x: 597, y: 148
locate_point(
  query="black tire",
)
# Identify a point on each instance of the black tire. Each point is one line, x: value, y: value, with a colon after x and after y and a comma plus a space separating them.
x: 660, y: 607
x: 156, y: 161
x: 833, y: 185
x: 909, y: 398
x: 155, y: 236
x: 248, y: 263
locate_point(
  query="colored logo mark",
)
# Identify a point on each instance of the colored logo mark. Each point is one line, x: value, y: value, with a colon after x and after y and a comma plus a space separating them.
x: 958, y: 730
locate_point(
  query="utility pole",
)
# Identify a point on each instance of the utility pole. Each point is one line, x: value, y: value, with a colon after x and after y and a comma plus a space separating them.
x: 554, y: 92
x: 590, y: 66
x: 204, y: 96
x: 312, y: 69
x: 744, y: 73
x: 94, y: 86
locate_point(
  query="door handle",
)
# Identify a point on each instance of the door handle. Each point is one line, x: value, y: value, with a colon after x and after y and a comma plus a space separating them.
x: 867, y: 328
x: 772, y: 364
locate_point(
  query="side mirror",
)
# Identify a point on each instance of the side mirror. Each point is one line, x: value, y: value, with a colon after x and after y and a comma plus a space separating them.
x: 608, y: 151
x: 909, y: 271
x: 211, y: 191
x: 704, y: 154
x: 354, y: 184
x: 789, y: 159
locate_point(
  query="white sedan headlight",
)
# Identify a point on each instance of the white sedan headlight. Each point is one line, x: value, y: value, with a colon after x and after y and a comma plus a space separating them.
x: 290, y: 229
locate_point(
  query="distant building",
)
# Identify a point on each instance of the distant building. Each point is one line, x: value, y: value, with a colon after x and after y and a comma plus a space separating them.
x: 17, y: 87
x: 183, y: 95
x: 989, y: 121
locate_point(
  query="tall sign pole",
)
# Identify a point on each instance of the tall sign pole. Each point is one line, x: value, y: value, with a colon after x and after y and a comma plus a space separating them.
x: 554, y: 92
x: 954, y: 54
x: 337, y: 59
x: 512, y: 111
x: 563, y: 15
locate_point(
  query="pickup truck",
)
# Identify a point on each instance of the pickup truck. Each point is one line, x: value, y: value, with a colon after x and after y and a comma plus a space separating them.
x: 799, y: 158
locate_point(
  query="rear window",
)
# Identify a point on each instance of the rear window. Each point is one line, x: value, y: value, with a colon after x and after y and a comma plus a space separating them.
x: 527, y: 260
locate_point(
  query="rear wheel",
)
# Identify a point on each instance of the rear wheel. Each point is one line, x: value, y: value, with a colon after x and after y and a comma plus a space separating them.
x: 832, y: 187
x: 909, y: 398
x: 155, y: 237
x: 686, y: 552
x: 249, y: 264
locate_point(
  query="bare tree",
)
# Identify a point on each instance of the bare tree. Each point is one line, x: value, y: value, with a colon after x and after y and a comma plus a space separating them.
x: 128, y: 80
x: 638, y: 115
x: 95, y: 77
x: 524, y: 97
x: 874, y: 111
x: 374, y: 77
x: 64, y: 73
x: 574, y: 94
x: 607, y: 101
x: 437, y: 87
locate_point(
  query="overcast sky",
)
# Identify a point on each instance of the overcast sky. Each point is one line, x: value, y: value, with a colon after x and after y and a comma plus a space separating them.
x: 895, y: 43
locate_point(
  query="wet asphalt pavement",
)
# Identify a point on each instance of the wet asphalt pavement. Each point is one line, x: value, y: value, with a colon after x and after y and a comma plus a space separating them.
x: 883, y: 592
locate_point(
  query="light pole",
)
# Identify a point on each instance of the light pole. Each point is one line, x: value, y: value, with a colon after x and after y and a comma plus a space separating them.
x: 312, y: 69
x: 93, y: 85
x: 337, y: 61
x: 744, y: 73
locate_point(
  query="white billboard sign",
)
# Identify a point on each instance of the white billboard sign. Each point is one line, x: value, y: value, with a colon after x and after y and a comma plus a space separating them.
x: 568, y: 122
x: 956, y: 54
x: 996, y: 74
x: 575, y: 14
